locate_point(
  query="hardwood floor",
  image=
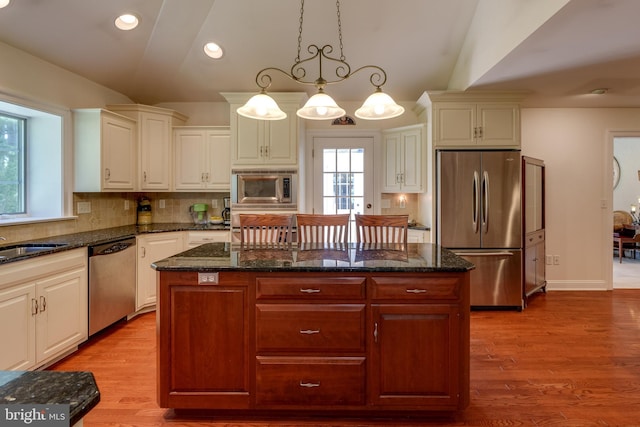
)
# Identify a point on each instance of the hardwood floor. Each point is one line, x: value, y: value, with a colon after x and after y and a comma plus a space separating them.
x: 569, y: 359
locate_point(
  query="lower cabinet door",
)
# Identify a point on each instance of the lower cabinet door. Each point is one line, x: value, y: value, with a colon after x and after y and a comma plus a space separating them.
x: 310, y: 381
x: 415, y: 356
x: 206, y: 363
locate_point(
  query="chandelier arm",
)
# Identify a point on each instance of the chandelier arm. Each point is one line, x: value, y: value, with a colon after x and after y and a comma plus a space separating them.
x: 377, y: 78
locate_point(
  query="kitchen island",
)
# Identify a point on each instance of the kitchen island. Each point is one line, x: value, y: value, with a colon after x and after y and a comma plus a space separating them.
x: 363, y: 330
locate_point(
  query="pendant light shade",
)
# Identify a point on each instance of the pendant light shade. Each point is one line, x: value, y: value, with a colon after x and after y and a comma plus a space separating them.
x: 379, y: 106
x: 320, y: 107
x: 262, y: 107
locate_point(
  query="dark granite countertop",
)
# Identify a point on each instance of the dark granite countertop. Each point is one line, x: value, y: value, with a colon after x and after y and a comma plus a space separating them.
x: 105, y: 235
x: 413, y: 257
x: 76, y: 389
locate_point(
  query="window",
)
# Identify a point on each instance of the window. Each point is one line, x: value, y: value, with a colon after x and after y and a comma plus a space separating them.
x: 12, y: 165
x: 33, y: 143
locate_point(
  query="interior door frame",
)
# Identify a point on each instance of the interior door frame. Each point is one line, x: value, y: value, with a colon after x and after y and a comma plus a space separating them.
x: 607, y: 190
x: 306, y: 169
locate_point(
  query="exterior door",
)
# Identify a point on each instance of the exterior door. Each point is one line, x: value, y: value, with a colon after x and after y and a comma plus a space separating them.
x: 343, y: 173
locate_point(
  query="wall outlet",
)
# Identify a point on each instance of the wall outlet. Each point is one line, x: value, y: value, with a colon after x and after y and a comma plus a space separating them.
x: 161, y: 204
x: 556, y: 260
x: 549, y: 259
x: 126, y: 205
x: 214, y: 203
x: 84, y: 207
x: 385, y: 203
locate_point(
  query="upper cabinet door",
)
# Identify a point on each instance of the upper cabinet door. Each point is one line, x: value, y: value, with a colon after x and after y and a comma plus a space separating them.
x: 155, y: 150
x: 405, y: 160
x: 118, y: 153
x: 202, y: 158
x: 499, y: 125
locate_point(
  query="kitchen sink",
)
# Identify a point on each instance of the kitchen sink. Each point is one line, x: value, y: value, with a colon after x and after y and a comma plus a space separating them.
x: 28, y: 248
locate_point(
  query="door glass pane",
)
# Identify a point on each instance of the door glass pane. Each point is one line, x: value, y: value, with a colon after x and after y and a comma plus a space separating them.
x: 343, y: 181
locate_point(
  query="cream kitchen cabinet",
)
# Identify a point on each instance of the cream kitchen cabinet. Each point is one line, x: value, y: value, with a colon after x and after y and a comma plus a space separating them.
x: 404, y: 160
x: 202, y: 158
x: 197, y: 238
x: 151, y: 248
x: 260, y: 142
x: 474, y: 119
x: 418, y: 236
x: 105, y: 145
x: 44, y: 306
x: 154, y: 143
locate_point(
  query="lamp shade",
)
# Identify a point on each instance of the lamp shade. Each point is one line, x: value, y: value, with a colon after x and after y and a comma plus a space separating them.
x: 320, y: 107
x: 262, y: 107
x: 379, y: 106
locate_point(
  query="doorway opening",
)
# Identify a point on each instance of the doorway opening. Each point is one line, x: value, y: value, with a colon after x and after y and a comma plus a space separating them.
x: 343, y: 177
x: 626, y: 198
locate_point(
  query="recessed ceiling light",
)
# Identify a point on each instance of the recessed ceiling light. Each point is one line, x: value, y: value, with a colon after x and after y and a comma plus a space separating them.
x: 599, y: 91
x: 4, y: 3
x: 127, y: 21
x: 213, y: 50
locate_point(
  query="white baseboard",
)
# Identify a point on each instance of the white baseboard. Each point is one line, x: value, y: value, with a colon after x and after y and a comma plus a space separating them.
x: 577, y: 285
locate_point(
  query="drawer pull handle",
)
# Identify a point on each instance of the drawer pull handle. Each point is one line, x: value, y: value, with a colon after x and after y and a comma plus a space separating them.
x: 309, y: 385
x: 310, y: 291
x: 416, y: 291
x: 309, y: 331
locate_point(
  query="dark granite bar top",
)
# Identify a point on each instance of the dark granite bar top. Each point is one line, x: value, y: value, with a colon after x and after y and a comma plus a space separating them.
x: 353, y: 257
x: 76, y: 389
x: 105, y: 235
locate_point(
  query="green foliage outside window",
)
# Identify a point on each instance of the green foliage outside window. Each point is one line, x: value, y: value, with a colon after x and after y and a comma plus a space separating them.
x: 12, y: 161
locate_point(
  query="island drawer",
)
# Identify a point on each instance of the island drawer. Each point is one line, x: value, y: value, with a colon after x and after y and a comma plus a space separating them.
x: 310, y: 327
x: 310, y: 287
x: 310, y: 381
x: 415, y: 288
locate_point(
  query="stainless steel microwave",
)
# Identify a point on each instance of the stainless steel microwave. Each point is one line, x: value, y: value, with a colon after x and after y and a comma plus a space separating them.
x: 264, y: 188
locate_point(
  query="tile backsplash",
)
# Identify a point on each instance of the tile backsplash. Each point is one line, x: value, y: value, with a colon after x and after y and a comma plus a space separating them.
x: 411, y: 205
x: 108, y: 210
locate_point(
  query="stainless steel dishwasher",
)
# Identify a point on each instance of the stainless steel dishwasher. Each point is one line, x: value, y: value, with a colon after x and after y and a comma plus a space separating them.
x: 112, y: 283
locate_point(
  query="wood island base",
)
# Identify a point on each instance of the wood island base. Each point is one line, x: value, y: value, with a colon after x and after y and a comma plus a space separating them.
x: 346, y: 343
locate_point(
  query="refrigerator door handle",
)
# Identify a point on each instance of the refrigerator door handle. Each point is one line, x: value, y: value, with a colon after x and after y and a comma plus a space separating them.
x: 476, y: 201
x: 485, y: 202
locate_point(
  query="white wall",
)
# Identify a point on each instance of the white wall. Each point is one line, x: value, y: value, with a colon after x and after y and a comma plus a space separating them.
x: 576, y: 144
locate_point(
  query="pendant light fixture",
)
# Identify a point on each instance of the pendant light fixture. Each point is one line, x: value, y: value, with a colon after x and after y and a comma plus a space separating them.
x: 321, y: 106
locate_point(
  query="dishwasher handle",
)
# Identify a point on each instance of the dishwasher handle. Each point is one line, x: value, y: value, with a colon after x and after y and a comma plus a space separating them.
x: 113, y: 248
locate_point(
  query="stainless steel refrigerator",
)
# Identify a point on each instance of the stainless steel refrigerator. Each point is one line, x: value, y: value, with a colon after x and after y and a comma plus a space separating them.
x: 478, y: 216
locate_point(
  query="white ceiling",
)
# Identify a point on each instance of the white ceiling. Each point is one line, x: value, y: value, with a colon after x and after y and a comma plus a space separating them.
x: 420, y: 43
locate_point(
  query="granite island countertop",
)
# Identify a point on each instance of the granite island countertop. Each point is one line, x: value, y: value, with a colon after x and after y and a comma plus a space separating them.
x: 352, y: 257
x: 76, y: 389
